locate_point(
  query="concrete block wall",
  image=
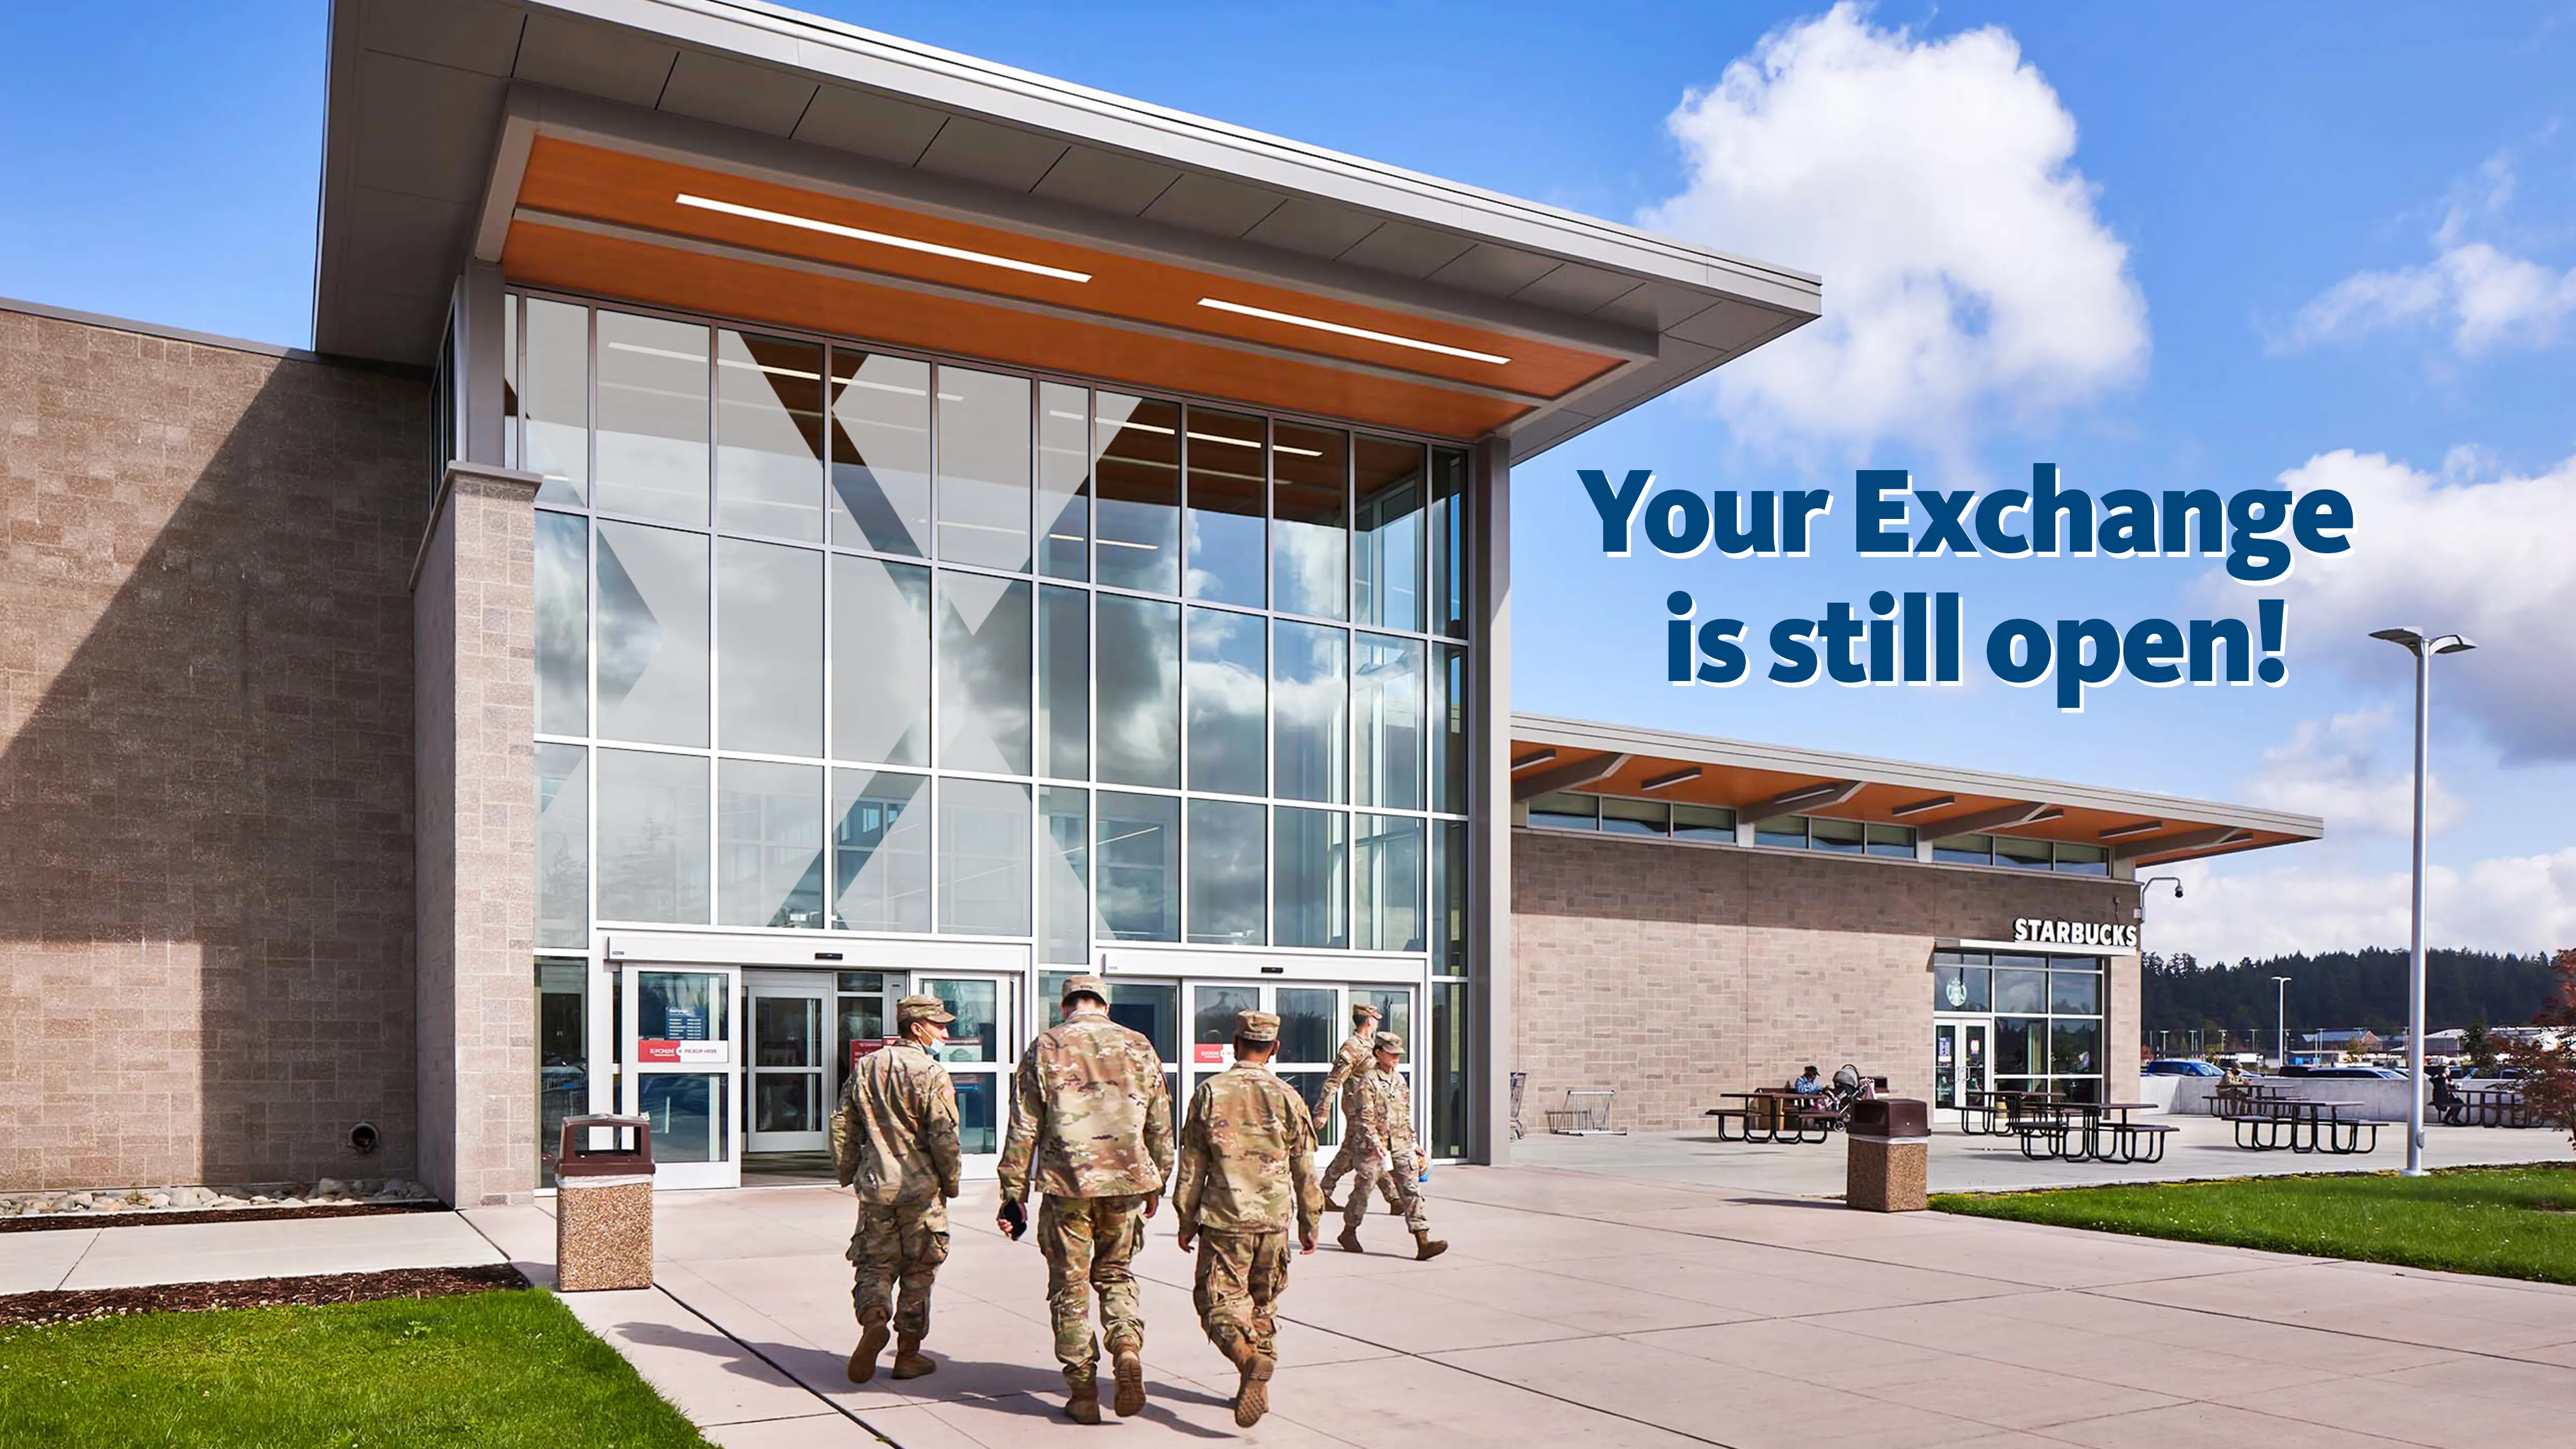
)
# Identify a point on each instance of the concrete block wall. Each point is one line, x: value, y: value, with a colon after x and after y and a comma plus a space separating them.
x: 1673, y: 973
x: 205, y: 758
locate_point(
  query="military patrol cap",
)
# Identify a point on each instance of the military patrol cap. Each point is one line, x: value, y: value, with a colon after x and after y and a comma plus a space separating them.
x: 1256, y: 1026
x: 1367, y: 1009
x: 1083, y: 986
x: 1387, y: 1041
x: 922, y: 1008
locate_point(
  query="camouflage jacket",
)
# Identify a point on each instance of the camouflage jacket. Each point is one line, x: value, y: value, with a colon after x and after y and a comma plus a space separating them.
x: 1349, y: 1066
x: 1247, y: 1157
x: 1384, y: 1122
x: 895, y: 1135
x: 1089, y: 1114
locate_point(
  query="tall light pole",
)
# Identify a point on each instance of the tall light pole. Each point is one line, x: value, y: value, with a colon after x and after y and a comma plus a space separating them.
x: 2281, y: 1019
x: 2415, y: 642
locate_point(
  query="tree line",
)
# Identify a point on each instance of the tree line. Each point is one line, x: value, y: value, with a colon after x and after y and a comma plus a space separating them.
x: 2337, y: 990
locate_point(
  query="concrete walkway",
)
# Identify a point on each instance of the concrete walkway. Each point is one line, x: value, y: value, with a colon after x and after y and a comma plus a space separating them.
x: 133, y: 1255
x: 1582, y: 1307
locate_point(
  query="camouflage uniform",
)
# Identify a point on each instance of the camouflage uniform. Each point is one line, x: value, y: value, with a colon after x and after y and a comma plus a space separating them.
x: 895, y: 1137
x: 1381, y: 1130
x: 1349, y: 1066
x: 1247, y: 1169
x: 1090, y: 1119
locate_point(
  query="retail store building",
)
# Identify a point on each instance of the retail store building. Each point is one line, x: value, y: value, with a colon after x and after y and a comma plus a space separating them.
x: 776, y: 518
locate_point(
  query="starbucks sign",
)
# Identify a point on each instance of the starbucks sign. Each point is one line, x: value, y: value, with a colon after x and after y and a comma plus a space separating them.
x: 2030, y: 930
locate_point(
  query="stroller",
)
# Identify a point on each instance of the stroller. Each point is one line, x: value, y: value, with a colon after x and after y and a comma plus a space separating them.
x: 1849, y: 1086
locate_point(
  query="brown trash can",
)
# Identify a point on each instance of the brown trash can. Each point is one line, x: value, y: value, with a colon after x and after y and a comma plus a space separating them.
x: 604, y: 1206
x: 1888, y: 1151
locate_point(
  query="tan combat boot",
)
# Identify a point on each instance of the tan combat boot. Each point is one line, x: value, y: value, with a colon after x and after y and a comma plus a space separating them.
x: 909, y: 1361
x: 1082, y: 1399
x: 872, y: 1341
x: 1127, y: 1369
x: 1351, y: 1239
x: 1427, y: 1247
x: 1252, y: 1392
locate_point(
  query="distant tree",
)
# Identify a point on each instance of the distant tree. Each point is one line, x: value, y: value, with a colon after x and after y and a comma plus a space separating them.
x: 2548, y: 1056
x: 2478, y: 1045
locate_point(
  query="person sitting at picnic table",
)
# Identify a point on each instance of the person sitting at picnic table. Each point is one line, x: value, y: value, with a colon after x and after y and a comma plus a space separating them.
x: 1810, y: 1082
x: 2447, y: 1102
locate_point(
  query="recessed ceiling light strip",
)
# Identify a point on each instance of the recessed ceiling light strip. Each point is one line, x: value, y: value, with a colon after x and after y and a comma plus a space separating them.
x: 1345, y: 330
x: 888, y: 239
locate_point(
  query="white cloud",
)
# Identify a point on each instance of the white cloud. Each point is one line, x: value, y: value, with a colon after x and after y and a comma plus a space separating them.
x: 1930, y: 183
x: 2487, y: 297
x: 2334, y: 769
x: 2511, y: 903
x: 2486, y: 558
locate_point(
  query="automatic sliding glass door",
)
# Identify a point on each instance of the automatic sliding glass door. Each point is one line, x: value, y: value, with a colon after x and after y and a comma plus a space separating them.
x: 681, y: 1056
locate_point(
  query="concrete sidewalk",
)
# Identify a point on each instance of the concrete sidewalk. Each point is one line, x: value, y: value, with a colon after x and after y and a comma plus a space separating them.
x: 138, y: 1254
x: 1616, y: 1312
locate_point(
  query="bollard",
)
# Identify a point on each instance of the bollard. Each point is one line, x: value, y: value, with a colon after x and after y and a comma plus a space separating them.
x: 1889, y: 1145
x: 604, y: 1207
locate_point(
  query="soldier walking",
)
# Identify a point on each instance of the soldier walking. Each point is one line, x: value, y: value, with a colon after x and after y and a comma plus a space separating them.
x: 1247, y: 1169
x: 1382, y: 1138
x: 1349, y: 1066
x: 1091, y: 1123
x: 895, y: 1137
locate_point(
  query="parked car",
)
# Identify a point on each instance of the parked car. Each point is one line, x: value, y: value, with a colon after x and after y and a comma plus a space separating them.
x: 2383, y: 1074
x: 2180, y: 1067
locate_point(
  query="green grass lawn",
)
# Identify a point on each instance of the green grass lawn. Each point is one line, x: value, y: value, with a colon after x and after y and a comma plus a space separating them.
x: 2508, y: 1222
x: 507, y: 1368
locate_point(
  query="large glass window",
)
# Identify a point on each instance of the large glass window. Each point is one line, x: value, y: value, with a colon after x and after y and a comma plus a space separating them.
x: 880, y: 851
x: 1449, y: 542
x: 1064, y: 873
x: 1449, y: 729
x: 769, y: 844
x: 1228, y: 665
x: 983, y: 469
x: 1310, y: 529
x: 1140, y: 692
x: 1064, y: 481
x: 1386, y: 723
x: 1311, y: 877
x: 1448, y: 1069
x: 880, y: 661
x: 554, y: 396
x: 1387, y: 501
x: 2048, y: 1015
x: 1386, y: 888
x: 1064, y: 683
x: 563, y: 846
x: 1139, y: 861
x: 1226, y: 843
x: 652, y: 436
x: 769, y: 436
x: 652, y: 640
x: 653, y: 837
x: 563, y: 624
x: 984, y: 857
x: 563, y: 1055
x: 769, y: 612
x: 1228, y: 498
x: 1309, y: 702
x: 983, y: 674
x: 880, y: 452
x: 1449, y: 898
x: 1137, y: 481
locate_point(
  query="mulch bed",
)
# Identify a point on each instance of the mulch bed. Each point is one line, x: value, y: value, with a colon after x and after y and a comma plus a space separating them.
x: 147, y: 1217
x: 70, y: 1305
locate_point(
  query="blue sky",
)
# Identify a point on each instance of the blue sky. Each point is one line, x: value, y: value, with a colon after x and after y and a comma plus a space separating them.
x: 2164, y: 247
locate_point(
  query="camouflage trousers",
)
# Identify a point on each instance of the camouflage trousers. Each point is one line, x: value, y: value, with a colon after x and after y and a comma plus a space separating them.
x: 1240, y: 1278
x: 1372, y: 1173
x: 1346, y: 1161
x: 898, y: 1246
x: 1089, y: 1243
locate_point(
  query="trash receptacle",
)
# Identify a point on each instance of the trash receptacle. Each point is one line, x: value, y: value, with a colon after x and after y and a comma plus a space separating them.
x: 604, y: 1206
x: 1889, y: 1144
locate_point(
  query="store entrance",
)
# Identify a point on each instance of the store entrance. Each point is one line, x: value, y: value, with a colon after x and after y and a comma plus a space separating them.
x: 1962, y: 1063
x: 1313, y: 1019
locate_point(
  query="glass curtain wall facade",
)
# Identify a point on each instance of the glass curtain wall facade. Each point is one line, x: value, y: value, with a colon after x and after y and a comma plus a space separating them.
x: 834, y: 638
x: 2047, y: 1012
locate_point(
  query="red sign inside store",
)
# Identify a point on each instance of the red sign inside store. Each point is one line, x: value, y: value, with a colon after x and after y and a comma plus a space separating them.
x: 1208, y: 1054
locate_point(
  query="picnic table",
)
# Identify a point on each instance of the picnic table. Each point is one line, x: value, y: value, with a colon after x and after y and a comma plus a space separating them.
x: 2242, y: 1093
x: 1774, y: 1111
x: 2302, y: 1125
x: 2075, y: 1131
x: 1990, y: 1112
x: 2492, y: 1106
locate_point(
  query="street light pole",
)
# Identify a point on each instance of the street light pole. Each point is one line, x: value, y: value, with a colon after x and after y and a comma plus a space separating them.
x: 2281, y: 1019
x: 2415, y: 642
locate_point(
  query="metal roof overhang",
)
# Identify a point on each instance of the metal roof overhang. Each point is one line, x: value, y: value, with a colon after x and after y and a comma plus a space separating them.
x: 555, y: 136
x: 1766, y: 780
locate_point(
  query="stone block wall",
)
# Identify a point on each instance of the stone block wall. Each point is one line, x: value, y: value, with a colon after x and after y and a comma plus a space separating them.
x: 205, y: 758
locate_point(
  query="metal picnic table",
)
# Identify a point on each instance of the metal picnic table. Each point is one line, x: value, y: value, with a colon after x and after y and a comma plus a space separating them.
x: 1771, y: 1111
x: 2302, y: 1125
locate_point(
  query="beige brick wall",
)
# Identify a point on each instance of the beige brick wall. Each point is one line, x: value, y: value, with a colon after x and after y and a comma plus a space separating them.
x: 1672, y: 973
x: 205, y: 759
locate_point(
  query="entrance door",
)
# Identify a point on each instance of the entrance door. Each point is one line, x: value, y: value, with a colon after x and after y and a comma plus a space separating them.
x: 789, y: 1093
x: 679, y: 1057
x: 983, y: 1047
x: 1312, y: 1022
x: 1962, y: 1062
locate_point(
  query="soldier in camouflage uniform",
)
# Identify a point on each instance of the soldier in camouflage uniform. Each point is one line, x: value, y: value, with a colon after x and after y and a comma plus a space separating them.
x: 895, y: 1136
x: 1247, y: 1169
x: 1092, y: 1123
x: 1382, y: 1132
x: 1349, y: 1066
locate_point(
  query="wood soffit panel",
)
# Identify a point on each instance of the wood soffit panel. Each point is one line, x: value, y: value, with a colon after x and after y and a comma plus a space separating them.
x: 637, y: 195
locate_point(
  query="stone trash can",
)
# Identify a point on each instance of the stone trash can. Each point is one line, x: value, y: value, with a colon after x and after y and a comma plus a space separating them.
x: 604, y: 1206
x: 1890, y: 1144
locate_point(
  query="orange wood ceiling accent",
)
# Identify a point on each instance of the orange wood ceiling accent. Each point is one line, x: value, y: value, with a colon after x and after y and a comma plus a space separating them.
x: 549, y: 256
x: 599, y: 184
